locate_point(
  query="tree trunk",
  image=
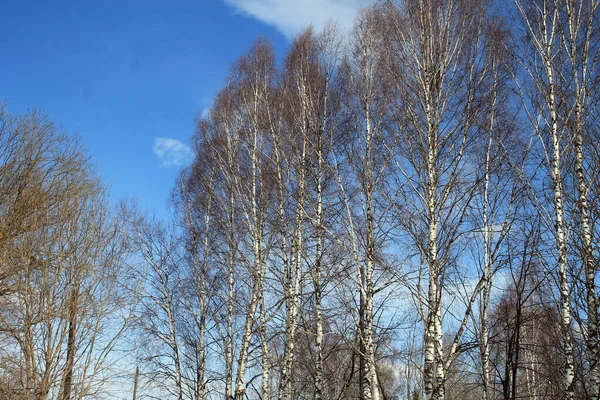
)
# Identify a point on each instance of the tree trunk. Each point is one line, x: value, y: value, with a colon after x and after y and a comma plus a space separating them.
x: 579, y: 59
x: 70, y: 361
x: 136, y: 378
x: 292, y: 277
x: 561, y: 241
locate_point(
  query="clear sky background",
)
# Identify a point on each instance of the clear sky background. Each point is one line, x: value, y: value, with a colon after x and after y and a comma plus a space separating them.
x: 130, y: 76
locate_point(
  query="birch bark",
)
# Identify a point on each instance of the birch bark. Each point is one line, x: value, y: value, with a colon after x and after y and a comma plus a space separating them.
x: 578, y: 37
x: 542, y: 22
x: 438, y: 74
x: 255, y: 73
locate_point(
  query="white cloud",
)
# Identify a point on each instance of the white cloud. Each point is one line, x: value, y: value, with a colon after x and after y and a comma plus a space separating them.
x: 291, y: 16
x: 171, y: 152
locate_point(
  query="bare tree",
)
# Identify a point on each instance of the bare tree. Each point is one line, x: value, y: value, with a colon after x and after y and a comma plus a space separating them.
x: 64, y: 299
x: 501, y: 196
x: 253, y: 76
x: 195, y: 202
x: 437, y: 70
x: 365, y: 151
x: 158, y: 247
x: 542, y: 58
x: 579, y: 37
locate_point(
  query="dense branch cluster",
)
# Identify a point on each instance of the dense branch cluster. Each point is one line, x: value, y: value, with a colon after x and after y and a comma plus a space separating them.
x: 62, y: 304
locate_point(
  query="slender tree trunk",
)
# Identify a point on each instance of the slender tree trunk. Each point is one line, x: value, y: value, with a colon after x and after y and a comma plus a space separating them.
x: 255, y: 224
x: 201, y: 367
x: 580, y: 64
x: 592, y: 342
x: 230, y: 302
x: 285, y: 380
x: 561, y: 241
x: 240, y: 385
x: 317, y: 274
x: 27, y: 346
x: 229, y: 345
x: 229, y: 390
x: 292, y: 292
x: 368, y: 57
x: 136, y: 378
x: 362, y: 365
x: 292, y: 279
x: 370, y: 388
x: 173, y: 342
x: 71, y: 338
x: 434, y: 363
x: 542, y: 21
x: 487, y: 249
x: 430, y: 342
x: 266, y: 395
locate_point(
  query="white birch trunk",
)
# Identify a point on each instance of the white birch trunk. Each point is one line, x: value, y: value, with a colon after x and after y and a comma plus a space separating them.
x: 580, y: 69
x: 561, y: 244
x: 370, y: 387
x: 433, y: 367
x: 230, y: 303
x: 545, y: 38
x: 200, y: 373
x: 292, y: 269
x: 230, y: 279
x: 255, y: 227
x: 592, y: 343
x: 266, y: 390
x: 240, y: 382
x: 487, y: 250
x: 561, y: 241
x: 293, y: 286
x: 317, y: 274
x: 293, y: 275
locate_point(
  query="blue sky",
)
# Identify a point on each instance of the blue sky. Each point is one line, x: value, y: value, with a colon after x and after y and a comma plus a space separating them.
x: 130, y: 76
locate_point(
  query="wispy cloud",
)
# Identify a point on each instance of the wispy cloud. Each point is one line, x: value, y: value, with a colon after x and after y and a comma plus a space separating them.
x: 291, y: 16
x: 171, y: 152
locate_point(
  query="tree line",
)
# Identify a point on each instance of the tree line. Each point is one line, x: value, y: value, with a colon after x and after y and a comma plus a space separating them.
x: 407, y: 210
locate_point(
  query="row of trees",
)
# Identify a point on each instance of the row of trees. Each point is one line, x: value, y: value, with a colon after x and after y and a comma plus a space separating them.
x: 408, y: 210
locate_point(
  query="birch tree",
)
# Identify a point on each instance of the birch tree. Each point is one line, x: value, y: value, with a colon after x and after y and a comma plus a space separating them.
x: 311, y: 68
x: 437, y: 71
x: 224, y: 147
x: 291, y: 195
x: 542, y: 60
x: 160, y: 307
x: 501, y: 198
x: 253, y: 79
x: 195, y: 201
x: 579, y: 36
x: 367, y: 101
